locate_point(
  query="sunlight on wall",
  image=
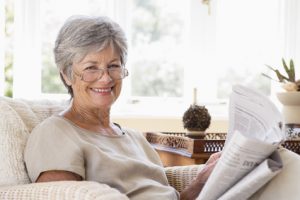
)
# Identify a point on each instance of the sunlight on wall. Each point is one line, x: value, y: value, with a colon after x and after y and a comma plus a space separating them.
x: 169, y: 124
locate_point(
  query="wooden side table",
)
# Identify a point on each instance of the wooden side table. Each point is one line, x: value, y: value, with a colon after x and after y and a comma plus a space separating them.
x: 175, y: 149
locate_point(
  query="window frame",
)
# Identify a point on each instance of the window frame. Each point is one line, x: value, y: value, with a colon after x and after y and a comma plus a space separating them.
x: 27, y: 50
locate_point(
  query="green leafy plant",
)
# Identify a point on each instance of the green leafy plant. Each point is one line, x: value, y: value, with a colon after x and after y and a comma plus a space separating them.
x: 288, y: 80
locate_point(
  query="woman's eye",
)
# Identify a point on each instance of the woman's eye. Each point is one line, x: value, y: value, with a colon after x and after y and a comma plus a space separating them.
x: 114, y: 66
x: 90, y: 68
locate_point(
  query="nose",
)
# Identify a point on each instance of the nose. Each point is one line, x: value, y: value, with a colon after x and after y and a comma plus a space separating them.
x: 105, y: 77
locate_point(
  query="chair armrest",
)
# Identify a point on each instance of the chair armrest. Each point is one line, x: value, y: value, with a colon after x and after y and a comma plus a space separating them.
x: 62, y: 190
x: 181, y: 176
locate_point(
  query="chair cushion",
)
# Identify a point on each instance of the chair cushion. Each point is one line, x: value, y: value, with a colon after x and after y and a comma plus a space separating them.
x: 17, y: 119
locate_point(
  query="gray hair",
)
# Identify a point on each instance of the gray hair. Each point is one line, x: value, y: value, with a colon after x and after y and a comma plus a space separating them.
x: 81, y: 35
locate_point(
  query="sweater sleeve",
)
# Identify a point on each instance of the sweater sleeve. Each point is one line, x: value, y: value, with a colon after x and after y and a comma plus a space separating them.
x: 50, y: 148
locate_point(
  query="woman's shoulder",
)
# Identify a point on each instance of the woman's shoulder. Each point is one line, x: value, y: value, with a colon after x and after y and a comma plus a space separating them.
x: 53, y: 120
x: 50, y: 125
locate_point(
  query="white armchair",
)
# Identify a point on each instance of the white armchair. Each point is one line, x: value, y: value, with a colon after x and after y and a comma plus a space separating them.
x: 17, y: 119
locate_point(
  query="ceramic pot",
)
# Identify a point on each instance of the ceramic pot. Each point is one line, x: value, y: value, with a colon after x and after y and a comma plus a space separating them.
x: 195, y: 134
x: 291, y: 113
x: 291, y: 106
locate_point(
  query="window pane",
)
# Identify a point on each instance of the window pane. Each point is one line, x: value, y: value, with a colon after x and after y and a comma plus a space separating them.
x: 157, y: 34
x: 8, y: 48
x: 247, y: 38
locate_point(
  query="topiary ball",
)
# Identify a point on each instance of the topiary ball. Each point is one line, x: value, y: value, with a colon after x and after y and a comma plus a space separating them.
x: 196, y: 118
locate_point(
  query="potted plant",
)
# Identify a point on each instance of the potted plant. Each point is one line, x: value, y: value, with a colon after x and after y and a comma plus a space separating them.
x: 196, y: 119
x: 290, y: 98
x: 289, y: 82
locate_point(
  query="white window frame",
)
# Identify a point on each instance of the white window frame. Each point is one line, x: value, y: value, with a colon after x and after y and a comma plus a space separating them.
x: 27, y: 50
x: 202, y: 40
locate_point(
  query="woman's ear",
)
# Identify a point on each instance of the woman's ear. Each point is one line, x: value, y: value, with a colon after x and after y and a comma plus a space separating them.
x: 66, y: 78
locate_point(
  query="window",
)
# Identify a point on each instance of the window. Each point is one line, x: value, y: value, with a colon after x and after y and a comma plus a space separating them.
x: 6, y: 46
x: 174, y: 47
x: 2, y: 46
x: 246, y: 39
x: 157, y: 47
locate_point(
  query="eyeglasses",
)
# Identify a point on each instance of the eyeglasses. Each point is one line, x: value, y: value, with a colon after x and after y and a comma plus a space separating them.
x: 92, y: 75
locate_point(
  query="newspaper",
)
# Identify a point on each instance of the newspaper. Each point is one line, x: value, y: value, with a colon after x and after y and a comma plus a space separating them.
x: 249, y: 158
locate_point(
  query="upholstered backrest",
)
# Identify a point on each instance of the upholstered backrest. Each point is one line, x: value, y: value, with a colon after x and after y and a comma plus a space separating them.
x: 17, y: 119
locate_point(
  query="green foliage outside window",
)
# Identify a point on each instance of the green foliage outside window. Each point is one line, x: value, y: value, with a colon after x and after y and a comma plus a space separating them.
x: 9, y: 19
x: 152, y: 73
x: 152, y: 79
x: 51, y: 82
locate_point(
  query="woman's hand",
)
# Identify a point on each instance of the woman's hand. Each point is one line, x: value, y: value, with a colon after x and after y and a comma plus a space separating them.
x: 214, y: 157
x: 193, y: 190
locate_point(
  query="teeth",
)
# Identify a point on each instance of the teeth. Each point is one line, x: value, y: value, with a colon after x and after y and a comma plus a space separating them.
x: 101, y: 90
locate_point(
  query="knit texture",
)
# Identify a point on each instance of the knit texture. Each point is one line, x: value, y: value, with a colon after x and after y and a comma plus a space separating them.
x: 61, y: 190
x: 17, y: 119
x: 180, y: 177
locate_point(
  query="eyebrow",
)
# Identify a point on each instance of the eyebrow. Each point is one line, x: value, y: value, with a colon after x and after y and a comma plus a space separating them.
x: 92, y: 62
x: 96, y: 62
x: 115, y: 59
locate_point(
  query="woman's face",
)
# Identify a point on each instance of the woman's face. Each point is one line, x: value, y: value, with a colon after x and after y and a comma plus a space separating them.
x: 101, y: 93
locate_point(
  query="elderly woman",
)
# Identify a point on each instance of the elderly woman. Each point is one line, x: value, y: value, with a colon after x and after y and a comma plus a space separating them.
x: 81, y: 143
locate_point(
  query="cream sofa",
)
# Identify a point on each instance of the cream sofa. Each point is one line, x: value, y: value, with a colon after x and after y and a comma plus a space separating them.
x: 17, y: 119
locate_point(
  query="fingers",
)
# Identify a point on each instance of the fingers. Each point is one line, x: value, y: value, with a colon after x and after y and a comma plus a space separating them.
x: 193, y: 190
x: 206, y: 171
x: 214, y: 157
x: 209, y: 166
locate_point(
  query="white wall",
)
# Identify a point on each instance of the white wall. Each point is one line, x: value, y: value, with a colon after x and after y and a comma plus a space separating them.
x: 165, y: 124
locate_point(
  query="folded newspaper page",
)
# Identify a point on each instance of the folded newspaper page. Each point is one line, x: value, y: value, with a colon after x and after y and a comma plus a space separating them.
x: 249, y: 159
x: 254, y: 115
x: 256, y: 179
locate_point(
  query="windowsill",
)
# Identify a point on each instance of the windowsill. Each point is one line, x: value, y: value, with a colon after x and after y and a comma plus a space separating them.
x: 159, y: 116
x: 164, y: 124
x: 165, y: 118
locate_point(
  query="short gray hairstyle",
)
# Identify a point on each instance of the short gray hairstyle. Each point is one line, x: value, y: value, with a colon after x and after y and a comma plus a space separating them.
x: 81, y: 35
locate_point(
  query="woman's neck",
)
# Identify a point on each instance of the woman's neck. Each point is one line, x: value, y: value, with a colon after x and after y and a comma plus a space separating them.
x: 95, y: 117
x: 95, y: 120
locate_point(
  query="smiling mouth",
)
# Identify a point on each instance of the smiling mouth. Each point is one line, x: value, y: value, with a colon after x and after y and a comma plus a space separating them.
x: 102, y: 90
